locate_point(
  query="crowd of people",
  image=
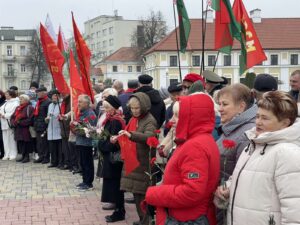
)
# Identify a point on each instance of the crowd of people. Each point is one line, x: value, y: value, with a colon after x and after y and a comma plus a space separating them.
x: 227, y: 154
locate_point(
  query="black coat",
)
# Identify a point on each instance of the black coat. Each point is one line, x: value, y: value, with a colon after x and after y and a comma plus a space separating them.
x: 110, y: 170
x: 158, y: 108
x: 39, y: 121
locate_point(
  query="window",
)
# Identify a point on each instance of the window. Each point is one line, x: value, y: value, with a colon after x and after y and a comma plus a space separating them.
x: 196, y: 60
x: 23, y: 84
x: 104, y: 32
x: 138, y: 69
x: 104, y: 44
x: 227, y: 60
x: 173, y: 60
x: 294, y: 59
x: 23, y: 68
x: 211, y: 60
x: 115, y: 68
x: 9, y: 50
x: 111, y: 42
x: 22, y: 50
x: 274, y: 59
x: 129, y: 68
x: 10, y: 70
x: 111, y: 30
x: 98, y: 34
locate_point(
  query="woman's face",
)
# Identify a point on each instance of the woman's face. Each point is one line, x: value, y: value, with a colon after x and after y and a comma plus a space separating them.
x: 135, y: 109
x: 7, y: 96
x: 109, y: 109
x: 228, y: 108
x: 266, y: 121
x: 22, y: 101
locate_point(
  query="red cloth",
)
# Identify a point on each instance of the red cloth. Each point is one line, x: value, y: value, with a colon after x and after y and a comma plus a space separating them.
x: 60, y: 42
x: 192, y: 174
x: 193, y: 77
x: 130, y: 90
x: 18, y: 113
x: 37, y: 107
x: 117, y: 116
x: 63, y: 107
x: 128, y: 148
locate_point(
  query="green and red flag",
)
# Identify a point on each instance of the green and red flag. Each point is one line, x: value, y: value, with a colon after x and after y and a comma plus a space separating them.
x: 184, y: 25
x: 75, y: 84
x: 226, y: 26
x: 55, y: 60
x: 84, y: 56
x: 252, y: 52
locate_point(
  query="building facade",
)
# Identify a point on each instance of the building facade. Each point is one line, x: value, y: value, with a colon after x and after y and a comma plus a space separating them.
x: 280, y: 38
x: 106, y: 34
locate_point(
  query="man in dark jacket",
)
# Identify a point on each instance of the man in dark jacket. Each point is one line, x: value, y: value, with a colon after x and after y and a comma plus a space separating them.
x: 295, y: 85
x: 40, y: 126
x: 158, y: 108
x: 213, y: 82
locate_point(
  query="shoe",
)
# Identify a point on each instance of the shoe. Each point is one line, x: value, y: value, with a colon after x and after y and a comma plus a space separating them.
x: 5, y: 158
x: 45, y: 161
x: 65, y: 167
x: 13, y: 158
x: 118, y: 215
x: 52, y: 166
x: 86, y: 187
x: 25, y: 160
x: 79, y: 185
x: 109, y: 206
x: 39, y: 160
x: 130, y: 200
x: 20, y: 159
x: 76, y: 171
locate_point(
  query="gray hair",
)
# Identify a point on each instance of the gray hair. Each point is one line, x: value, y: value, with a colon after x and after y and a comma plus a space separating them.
x: 25, y: 97
x: 110, y: 91
x: 118, y: 85
x: 86, y: 98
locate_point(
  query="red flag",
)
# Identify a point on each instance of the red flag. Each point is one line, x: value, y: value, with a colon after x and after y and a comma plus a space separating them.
x: 60, y: 42
x: 84, y: 55
x: 253, y: 49
x: 55, y: 61
x: 75, y: 84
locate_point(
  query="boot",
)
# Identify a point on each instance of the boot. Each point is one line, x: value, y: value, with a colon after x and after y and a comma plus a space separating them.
x: 118, y: 215
x: 20, y: 159
x: 26, y: 159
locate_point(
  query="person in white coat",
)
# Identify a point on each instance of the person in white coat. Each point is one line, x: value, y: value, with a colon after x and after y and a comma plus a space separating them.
x: 264, y: 187
x: 6, y: 111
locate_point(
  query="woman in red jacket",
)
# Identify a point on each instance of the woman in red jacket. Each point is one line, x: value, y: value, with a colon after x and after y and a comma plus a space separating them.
x: 193, y: 170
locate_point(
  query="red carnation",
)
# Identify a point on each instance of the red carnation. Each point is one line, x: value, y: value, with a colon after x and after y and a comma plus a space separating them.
x: 152, y: 161
x: 229, y: 144
x: 152, y: 142
x: 86, y: 120
x: 92, y: 117
x: 157, y: 131
x: 169, y: 125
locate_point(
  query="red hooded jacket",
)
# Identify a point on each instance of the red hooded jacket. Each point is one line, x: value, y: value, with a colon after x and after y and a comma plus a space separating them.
x: 192, y: 174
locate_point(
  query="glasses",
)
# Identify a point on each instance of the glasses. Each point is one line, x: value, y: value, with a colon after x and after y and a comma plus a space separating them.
x: 185, y: 87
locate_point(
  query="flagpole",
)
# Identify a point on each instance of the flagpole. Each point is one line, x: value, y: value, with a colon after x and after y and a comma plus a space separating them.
x: 177, y: 45
x: 202, y: 68
x: 216, y: 61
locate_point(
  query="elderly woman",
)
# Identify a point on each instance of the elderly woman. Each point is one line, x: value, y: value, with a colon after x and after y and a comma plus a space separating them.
x: 21, y: 120
x: 193, y: 170
x: 112, y: 164
x: 6, y: 111
x: 264, y: 187
x: 141, y: 126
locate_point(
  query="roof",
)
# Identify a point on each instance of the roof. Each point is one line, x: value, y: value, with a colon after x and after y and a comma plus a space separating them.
x: 10, y: 34
x: 124, y: 54
x: 273, y: 33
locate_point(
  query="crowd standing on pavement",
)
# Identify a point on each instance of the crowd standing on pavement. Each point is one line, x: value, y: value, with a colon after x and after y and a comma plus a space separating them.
x: 226, y: 154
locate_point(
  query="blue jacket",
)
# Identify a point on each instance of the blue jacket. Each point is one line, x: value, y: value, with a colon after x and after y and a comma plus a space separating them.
x: 83, y: 140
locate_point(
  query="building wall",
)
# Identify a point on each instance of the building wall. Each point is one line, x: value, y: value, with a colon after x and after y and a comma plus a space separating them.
x: 158, y: 65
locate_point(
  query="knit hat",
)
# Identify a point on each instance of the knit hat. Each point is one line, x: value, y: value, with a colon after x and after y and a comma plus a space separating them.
x: 145, y: 79
x: 113, y: 101
x: 192, y: 77
x: 41, y: 89
x: 177, y: 87
x: 265, y: 82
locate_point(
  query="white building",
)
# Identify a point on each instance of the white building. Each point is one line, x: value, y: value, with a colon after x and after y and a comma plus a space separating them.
x: 106, y: 34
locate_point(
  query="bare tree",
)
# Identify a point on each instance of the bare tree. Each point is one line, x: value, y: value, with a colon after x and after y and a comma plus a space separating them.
x: 151, y: 30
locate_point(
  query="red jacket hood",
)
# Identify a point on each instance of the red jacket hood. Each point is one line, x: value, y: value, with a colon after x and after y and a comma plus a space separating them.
x: 196, y: 116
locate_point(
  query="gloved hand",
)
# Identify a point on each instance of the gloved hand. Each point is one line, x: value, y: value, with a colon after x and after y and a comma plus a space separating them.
x: 160, y: 150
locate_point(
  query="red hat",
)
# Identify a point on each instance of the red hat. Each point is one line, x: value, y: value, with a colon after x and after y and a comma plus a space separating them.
x: 193, y: 77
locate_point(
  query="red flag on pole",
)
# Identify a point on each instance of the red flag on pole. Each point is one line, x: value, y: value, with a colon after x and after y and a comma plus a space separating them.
x: 60, y: 42
x: 55, y: 61
x: 253, y: 52
x: 84, y: 55
x: 75, y: 84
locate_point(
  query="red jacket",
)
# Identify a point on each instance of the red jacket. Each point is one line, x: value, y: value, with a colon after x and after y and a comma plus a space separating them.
x: 192, y: 174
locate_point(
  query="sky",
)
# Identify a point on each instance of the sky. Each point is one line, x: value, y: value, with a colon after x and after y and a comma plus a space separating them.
x: 27, y: 14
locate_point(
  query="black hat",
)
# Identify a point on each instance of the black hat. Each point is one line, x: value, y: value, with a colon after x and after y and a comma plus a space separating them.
x: 113, y: 101
x: 145, y: 79
x: 54, y: 92
x: 15, y: 88
x: 41, y: 89
x: 34, y: 84
x: 176, y: 87
x: 265, y: 82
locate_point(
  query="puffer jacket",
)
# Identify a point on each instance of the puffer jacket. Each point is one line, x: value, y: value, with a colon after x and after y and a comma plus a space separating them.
x: 138, y: 181
x: 7, y: 109
x: 265, y: 183
x: 192, y: 173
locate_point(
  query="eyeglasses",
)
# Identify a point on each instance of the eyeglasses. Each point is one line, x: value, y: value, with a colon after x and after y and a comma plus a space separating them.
x: 185, y: 87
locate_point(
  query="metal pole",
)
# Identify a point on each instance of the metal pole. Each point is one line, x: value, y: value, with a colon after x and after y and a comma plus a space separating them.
x: 178, y: 54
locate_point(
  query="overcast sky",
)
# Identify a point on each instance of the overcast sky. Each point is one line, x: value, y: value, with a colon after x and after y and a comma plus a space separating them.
x: 27, y: 14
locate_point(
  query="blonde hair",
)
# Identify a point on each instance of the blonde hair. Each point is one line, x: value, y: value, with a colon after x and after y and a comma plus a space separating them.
x: 25, y: 97
x: 110, y: 91
x: 134, y: 101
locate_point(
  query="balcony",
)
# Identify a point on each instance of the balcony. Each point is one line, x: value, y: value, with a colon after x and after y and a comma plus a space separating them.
x: 9, y: 74
x: 9, y: 58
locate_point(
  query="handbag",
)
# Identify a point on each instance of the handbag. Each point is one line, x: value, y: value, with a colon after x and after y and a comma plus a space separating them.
x: 202, y: 220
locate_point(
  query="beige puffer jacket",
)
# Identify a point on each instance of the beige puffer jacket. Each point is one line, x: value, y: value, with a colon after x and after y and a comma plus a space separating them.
x: 265, y: 185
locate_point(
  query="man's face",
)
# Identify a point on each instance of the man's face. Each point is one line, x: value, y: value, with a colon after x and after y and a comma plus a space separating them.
x: 41, y: 94
x: 185, y: 86
x: 82, y: 104
x: 295, y: 82
x: 175, y: 95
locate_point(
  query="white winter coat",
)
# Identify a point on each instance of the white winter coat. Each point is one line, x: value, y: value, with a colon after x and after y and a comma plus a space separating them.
x: 7, y: 109
x: 266, y: 180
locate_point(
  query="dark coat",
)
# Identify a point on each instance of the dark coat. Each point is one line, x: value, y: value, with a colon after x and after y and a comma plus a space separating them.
x: 124, y: 100
x: 110, y: 170
x: 137, y: 181
x: 39, y: 121
x: 65, y: 124
x: 158, y: 108
x: 21, y: 131
x: 2, y: 101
